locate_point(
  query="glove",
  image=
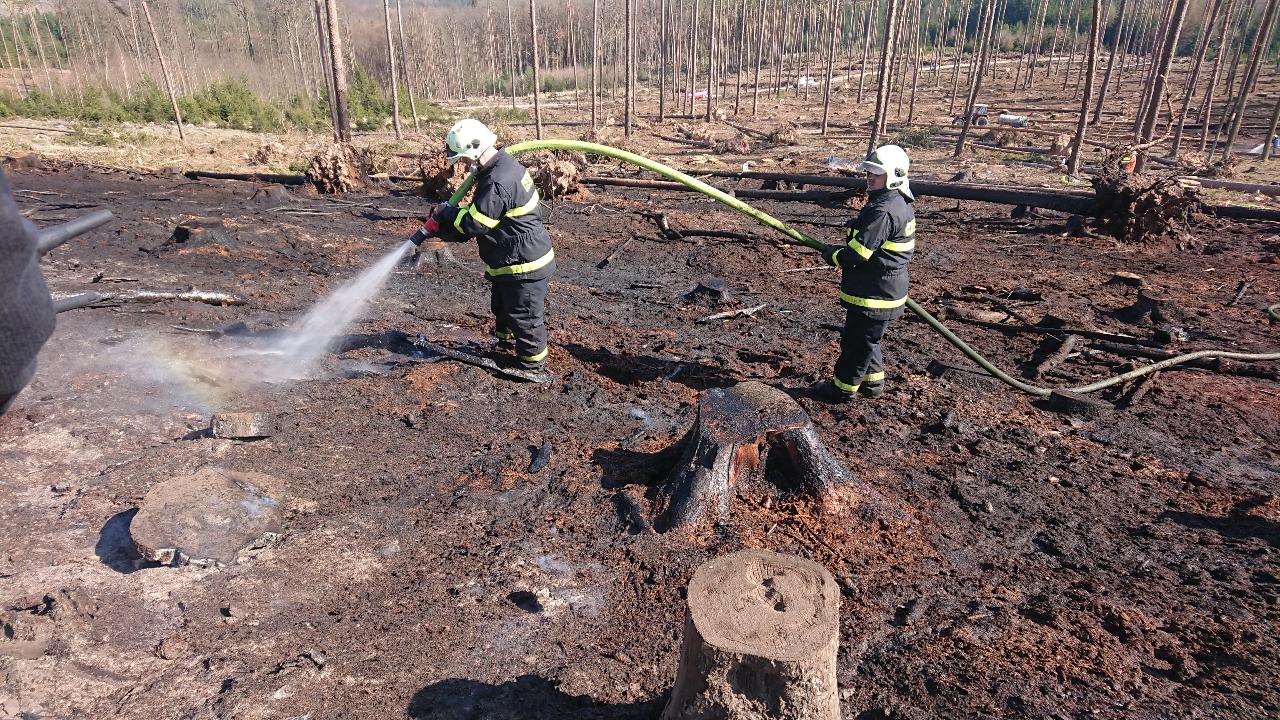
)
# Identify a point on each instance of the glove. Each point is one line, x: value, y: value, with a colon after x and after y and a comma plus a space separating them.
x: 829, y: 254
x: 429, y: 229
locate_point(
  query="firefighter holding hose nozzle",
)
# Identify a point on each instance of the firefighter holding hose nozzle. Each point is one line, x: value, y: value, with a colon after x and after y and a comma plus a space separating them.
x: 505, y: 218
x: 873, y: 285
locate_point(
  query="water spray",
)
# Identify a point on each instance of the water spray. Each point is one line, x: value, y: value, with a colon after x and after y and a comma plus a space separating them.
x: 799, y: 238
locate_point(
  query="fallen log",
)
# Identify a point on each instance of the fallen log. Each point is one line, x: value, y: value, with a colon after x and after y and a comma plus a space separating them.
x: 1056, y: 358
x: 761, y: 634
x: 248, y: 177
x: 81, y: 300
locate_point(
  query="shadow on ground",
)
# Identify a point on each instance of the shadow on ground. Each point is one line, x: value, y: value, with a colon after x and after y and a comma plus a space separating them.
x: 115, y: 547
x: 528, y: 697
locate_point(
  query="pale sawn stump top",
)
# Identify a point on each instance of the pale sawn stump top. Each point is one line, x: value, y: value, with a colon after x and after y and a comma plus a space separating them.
x: 762, y: 603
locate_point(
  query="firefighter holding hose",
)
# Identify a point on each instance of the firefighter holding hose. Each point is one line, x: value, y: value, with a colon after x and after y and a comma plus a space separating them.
x: 505, y: 218
x: 873, y: 284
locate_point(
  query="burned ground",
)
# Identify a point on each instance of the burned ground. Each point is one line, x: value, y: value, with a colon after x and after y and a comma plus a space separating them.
x: 1048, y: 566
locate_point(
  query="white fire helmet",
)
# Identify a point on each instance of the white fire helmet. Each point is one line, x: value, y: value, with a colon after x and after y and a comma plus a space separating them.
x: 892, y: 161
x: 468, y: 138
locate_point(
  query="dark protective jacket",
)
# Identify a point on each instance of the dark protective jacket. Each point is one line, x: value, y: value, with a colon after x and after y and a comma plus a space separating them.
x: 505, y: 217
x: 881, y: 241
x: 26, y: 312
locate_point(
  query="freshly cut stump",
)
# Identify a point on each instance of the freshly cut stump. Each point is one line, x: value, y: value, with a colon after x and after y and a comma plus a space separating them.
x: 208, y: 518
x: 736, y: 431
x: 760, y: 641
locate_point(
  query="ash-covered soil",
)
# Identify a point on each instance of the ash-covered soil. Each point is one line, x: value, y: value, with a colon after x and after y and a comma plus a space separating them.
x: 1050, y: 566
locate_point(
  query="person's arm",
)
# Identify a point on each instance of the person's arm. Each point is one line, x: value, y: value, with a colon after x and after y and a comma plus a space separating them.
x: 26, y: 310
x: 482, y: 215
x: 864, y: 236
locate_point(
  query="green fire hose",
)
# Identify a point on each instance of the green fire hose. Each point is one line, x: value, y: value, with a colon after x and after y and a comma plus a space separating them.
x: 801, y: 238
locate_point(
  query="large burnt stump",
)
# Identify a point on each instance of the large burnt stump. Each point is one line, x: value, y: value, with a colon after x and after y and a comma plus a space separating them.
x: 738, y: 431
x: 760, y: 641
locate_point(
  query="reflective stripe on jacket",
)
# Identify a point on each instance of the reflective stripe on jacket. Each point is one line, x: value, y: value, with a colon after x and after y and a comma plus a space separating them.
x: 505, y: 217
x: 873, y: 260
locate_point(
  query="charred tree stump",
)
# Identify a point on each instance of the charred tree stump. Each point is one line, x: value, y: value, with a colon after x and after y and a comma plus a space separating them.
x: 760, y: 641
x: 737, y: 429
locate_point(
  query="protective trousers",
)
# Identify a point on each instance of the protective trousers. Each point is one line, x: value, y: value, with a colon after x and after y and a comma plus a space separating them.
x: 861, y: 362
x: 518, y: 310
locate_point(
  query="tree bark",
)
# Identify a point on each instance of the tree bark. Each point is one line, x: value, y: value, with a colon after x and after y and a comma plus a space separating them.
x: 630, y: 50
x: 1261, y: 42
x: 755, y: 83
x: 831, y: 57
x: 962, y: 32
x: 338, y: 64
x: 984, y: 45
x: 404, y: 65
x: 711, y: 61
x: 44, y: 62
x: 1202, y: 47
x: 391, y: 61
x: 326, y: 68
x: 761, y: 635
x: 164, y: 69
x: 537, y: 100
x: 1111, y: 64
x: 1091, y: 64
x: 511, y: 54
x: 595, y: 61
x: 1206, y: 107
x: 866, y: 45
x: 886, y: 67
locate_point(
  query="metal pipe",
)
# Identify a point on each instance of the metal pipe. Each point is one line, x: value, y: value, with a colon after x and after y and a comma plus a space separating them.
x: 55, y: 236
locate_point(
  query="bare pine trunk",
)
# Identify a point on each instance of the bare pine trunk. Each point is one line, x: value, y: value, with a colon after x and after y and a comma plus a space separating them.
x: 1202, y: 47
x: 741, y: 41
x: 630, y: 50
x: 915, y: 72
x: 962, y: 32
x: 882, y: 84
x: 1261, y: 42
x: 404, y: 65
x: 164, y: 69
x: 595, y: 60
x: 1206, y: 107
x: 755, y: 83
x: 1156, y: 98
x: 1111, y: 63
x: 831, y: 56
x: 984, y: 43
x: 711, y: 60
x: 391, y: 61
x: 664, y: 51
x: 326, y: 68
x: 1091, y: 64
x: 537, y: 100
x: 339, y: 65
x: 866, y: 45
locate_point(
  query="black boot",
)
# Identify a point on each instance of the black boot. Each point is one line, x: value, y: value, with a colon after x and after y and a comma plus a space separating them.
x: 827, y: 392
x: 871, y: 390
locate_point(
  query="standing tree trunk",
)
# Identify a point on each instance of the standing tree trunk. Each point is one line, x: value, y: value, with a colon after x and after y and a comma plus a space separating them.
x: 1261, y: 42
x: 742, y: 46
x: 866, y: 45
x: 711, y: 60
x: 831, y: 58
x: 537, y: 100
x: 975, y: 87
x: 1156, y: 97
x: 39, y: 42
x: 630, y: 50
x: 391, y: 60
x: 1202, y: 47
x: 338, y: 63
x: 511, y: 54
x: 1271, y: 132
x: 755, y: 83
x: 664, y: 53
x: 322, y: 42
x: 915, y: 71
x: 404, y: 66
x: 693, y: 57
x: 962, y: 32
x: 164, y: 69
x: 1206, y: 107
x: 1091, y: 65
x: 595, y: 60
x: 886, y: 67
x: 1111, y: 64
x: 1036, y: 44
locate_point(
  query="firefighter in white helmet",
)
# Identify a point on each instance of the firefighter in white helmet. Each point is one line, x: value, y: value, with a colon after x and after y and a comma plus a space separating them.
x: 873, y: 284
x: 505, y: 218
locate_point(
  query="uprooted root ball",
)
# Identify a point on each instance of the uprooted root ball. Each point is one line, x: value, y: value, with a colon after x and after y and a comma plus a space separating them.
x: 785, y: 134
x: 699, y: 133
x: 268, y: 153
x: 439, y: 181
x: 738, y: 145
x: 556, y: 172
x: 1003, y: 138
x: 1140, y: 208
x: 340, y: 168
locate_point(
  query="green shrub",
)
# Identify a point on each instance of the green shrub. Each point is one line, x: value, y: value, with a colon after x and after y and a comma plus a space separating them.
x: 915, y: 137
